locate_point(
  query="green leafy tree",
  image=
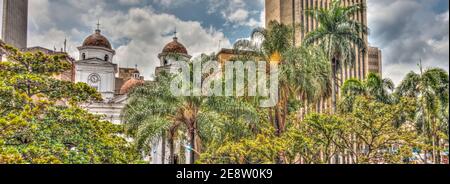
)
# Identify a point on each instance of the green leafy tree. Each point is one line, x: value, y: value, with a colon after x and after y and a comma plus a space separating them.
x: 263, y: 148
x: 40, y: 121
x: 371, y: 127
x: 431, y: 90
x: 317, y: 137
x: 365, y: 135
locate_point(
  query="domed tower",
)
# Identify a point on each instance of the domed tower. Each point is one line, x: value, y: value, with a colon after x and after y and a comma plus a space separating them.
x: 96, y: 46
x: 95, y: 66
x: 173, y: 51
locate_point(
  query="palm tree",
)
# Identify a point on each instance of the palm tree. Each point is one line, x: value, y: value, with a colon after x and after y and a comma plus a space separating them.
x: 268, y: 43
x: 153, y: 112
x: 380, y: 89
x: 351, y: 89
x: 431, y: 89
x: 147, y: 116
x: 302, y: 72
x: 338, y: 33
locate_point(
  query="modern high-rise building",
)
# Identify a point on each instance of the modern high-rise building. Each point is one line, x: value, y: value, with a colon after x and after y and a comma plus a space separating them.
x: 293, y: 11
x: 15, y: 23
x: 375, y: 60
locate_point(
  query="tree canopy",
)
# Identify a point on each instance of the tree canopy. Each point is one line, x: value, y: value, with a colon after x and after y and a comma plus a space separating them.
x: 41, y: 122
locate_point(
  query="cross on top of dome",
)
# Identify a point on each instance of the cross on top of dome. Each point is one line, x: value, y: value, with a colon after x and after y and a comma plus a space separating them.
x: 97, y: 39
x: 98, y: 27
x: 175, y: 46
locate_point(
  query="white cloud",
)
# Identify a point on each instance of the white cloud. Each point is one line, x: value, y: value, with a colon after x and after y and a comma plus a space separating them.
x: 40, y: 18
x: 262, y: 18
x: 408, y: 31
x: 138, y: 35
x: 239, y: 15
x: 237, y: 12
x: 130, y: 2
x: 149, y: 32
x: 443, y: 17
x: 173, y: 3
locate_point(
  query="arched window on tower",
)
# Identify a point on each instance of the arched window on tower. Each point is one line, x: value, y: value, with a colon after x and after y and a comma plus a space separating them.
x: 136, y: 76
x: 83, y: 56
x: 106, y: 58
x: 166, y: 62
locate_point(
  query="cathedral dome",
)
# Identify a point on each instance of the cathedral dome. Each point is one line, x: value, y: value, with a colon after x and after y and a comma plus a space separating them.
x: 130, y: 85
x: 175, y: 47
x: 97, y: 40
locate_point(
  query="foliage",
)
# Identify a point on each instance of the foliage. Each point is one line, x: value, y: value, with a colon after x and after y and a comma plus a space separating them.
x: 37, y: 125
x: 367, y: 135
x: 338, y: 34
x: 153, y: 112
x: 373, y: 86
x: 431, y: 90
x: 303, y: 72
x: 337, y: 31
x: 315, y: 139
x: 373, y: 125
x: 263, y: 148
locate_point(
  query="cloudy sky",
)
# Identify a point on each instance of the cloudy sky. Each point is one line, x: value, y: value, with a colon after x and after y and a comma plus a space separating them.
x: 406, y: 30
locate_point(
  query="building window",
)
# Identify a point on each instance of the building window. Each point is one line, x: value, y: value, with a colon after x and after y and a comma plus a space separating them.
x: 106, y: 58
x: 83, y: 56
x: 166, y: 62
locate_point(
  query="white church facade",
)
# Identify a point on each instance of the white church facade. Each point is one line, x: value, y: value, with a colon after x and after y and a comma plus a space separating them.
x: 96, y: 67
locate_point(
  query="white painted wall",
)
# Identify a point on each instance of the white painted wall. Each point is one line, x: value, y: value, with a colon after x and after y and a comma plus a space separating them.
x: 170, y: 60
x: 96, y: 53
x: 106, y: 86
